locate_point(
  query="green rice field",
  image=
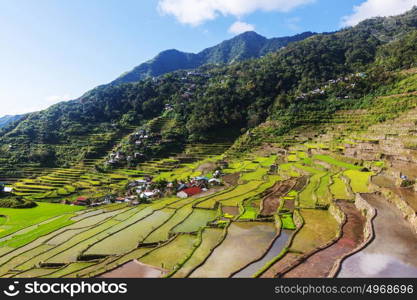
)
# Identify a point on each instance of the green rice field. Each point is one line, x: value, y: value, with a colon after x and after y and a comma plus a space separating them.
x: 211, y: 236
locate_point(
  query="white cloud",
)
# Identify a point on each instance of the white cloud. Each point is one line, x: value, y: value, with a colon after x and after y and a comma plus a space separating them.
x: 377, y: 8
x: 241, y: 27
x: 196, y: 12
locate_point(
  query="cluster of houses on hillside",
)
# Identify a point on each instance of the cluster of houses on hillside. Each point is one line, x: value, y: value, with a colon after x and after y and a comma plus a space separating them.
x: 145, y: 190
x: 139, y: 139
x: 190, y: 85
x: 188, y: 76
x: 322, y: 91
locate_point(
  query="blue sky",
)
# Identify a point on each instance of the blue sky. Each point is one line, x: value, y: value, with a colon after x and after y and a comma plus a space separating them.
x: 55, y: 50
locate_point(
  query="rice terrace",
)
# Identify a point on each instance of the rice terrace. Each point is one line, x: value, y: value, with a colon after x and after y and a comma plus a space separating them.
x: 299, y: 160
x: 290, y: 210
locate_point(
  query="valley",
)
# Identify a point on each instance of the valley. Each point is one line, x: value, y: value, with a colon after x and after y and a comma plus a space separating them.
x: 256, y: 169
x: 313, y: 209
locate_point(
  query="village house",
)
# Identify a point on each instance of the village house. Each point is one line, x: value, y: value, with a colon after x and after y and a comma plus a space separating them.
x: 214, y: 181
x: 8, y: 189
x: 188, y: 192
x: 120, y: 200
x: 82, y: 201
x: 149, y: 194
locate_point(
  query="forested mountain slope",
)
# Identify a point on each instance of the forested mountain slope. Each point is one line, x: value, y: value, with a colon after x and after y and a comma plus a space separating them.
x: 239, y: 96
x: 244, y: 46
x: 8, y: 119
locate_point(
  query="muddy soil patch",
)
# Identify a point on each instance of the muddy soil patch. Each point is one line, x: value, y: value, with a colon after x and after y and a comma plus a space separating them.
x: 319, y: 228
x: 407, y: 194
x: 231, y: 179
x: 301, y: 183
x: 272, y: 200
x: 231, y: 210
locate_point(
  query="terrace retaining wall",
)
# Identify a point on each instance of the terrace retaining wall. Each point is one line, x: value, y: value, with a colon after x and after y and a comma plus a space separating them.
x: 368, y: 232
x: 408, y: 212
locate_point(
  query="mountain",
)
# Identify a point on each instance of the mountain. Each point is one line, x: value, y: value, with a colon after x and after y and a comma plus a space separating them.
x: 244, y: 46
x: 8, y: 119
x: 288, y: 87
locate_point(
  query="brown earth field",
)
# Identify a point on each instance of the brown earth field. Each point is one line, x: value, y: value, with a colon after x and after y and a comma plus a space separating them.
x: 231, y: 210
x: 301, y: 183
x: 272, y: 200
x: 231, y: 179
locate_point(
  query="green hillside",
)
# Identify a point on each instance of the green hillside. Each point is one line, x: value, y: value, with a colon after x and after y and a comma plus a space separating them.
x: 296, y: 164
x: 242, y: 47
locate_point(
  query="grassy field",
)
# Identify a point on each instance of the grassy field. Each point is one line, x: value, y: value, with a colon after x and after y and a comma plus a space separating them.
x: 324, y: 196
x: 162, y: 233
x: 359, y: 181
x: 339, y: 188
x: 287, y: 221
x: 256, y: 175
x: 307, y: 198
x: 129, y: 238
x: 250, y: 213
x: 239, y: 191
x: 18, y: 219
x: 335, y: 162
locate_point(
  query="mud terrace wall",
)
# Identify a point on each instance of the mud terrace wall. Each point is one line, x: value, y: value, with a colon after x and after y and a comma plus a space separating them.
x: 337, y: 213
x: 369, y: 212
x: 298, y: 219
x: 408, y: 212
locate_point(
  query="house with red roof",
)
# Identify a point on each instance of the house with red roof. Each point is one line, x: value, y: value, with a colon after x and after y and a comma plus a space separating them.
x: 188, y: 192
x: 82, y: 201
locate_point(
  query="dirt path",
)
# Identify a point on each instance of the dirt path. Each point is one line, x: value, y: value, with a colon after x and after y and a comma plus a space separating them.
x: 320, y: 264
x: 392, y: 253
x: 271, y: 202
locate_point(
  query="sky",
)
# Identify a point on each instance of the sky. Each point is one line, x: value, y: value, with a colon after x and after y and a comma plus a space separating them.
x: 56, y: 50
